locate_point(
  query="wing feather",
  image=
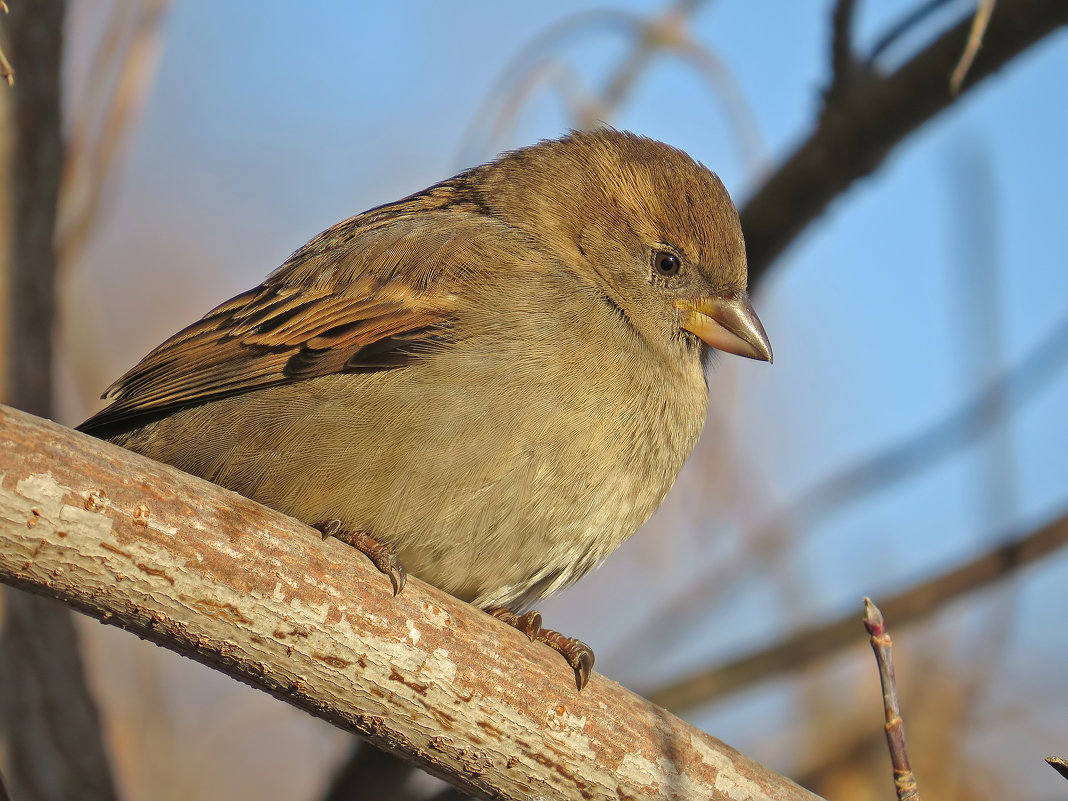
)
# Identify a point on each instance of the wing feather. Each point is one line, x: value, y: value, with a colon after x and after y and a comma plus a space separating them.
x: 372, y: 293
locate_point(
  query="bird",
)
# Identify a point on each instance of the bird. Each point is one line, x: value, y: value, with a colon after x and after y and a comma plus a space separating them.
x: 491, y: 383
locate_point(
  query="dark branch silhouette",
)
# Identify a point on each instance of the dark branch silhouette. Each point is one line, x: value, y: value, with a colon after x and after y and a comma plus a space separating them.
x: 859, y: 129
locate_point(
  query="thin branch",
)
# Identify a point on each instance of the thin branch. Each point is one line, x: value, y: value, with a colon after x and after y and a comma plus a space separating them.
x: 253, y: 593
x: 664, y: 33
x: 975, y: 40
x: 904, y: 26
x: 869, y: 122
x: 843, y: 57
x: 882, y: 646
x: 102, y: 125
x: 737, y: 112
x: 530, y: 58
x: 819, y: 642
x: 923, y: 450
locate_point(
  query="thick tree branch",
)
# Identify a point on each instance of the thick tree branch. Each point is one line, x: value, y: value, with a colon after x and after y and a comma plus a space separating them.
x: 262, y: 597
x: 857, y: 132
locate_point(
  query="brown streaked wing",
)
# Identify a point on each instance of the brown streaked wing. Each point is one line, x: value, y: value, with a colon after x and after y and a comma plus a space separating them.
x: 273, y: 335
x: 368, y: 294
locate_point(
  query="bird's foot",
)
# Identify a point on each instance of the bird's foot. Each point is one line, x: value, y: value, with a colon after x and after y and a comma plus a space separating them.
x: 578, y: 655
x: 380, y: 555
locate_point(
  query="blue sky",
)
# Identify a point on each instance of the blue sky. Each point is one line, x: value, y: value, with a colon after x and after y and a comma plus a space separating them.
x: 270, y: 121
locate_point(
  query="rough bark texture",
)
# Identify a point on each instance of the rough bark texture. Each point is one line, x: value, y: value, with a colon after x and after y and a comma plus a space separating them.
x: 262, y: 597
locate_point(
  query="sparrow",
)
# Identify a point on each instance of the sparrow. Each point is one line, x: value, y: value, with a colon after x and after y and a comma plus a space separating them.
x: 491, y: 383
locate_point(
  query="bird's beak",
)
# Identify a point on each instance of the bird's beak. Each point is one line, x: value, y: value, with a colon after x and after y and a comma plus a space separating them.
x: 727, y: 323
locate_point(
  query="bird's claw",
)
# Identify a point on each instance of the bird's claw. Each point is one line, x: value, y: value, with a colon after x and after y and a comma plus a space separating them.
x: 381, y: 556
x: 578, y: 655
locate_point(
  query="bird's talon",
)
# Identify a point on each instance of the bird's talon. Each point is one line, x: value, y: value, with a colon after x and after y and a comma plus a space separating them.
x: 398, y: 577
x: 579, y: 656
x: 330, y: 528
x: 583, y: 665
x: 380, y: 555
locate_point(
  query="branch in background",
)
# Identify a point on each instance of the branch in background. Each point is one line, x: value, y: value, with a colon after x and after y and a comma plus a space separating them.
x: 819, y: 642
x: 855, y: 135
x: 265, y: 599
x: 52, y: 731
x: 369, y: 775
x: 7, y: 72
x: 975, y: 41
x: 923, y: 450
x: 49, y: 723
x: 36, y: 166
x: 121, y: 76
x: 882, y: 646
x: 664, y: 33
x: 926, y: 448
x: 530, y: 61
x: 843, y: 58
x: 905, y: 25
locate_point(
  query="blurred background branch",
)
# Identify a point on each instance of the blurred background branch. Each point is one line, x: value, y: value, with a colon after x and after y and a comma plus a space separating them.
x: 861, y: 128
x: 926, y: 598
x: 53, y: 746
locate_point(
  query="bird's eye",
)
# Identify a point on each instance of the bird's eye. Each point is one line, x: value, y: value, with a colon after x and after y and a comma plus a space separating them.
x: 665, y: 263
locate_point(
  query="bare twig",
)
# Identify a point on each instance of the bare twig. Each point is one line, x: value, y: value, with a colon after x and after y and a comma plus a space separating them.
x: 121, y: 76
x: 975, y: 40
x: 664, y: 33
x: 904, y: 779
x: 530, y: 59
x: 263, y: 598
x: 819, y: 642
x: 876, y: 473
x: 843, y: 57
x: 868, y: 124
x: 903, y: 26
